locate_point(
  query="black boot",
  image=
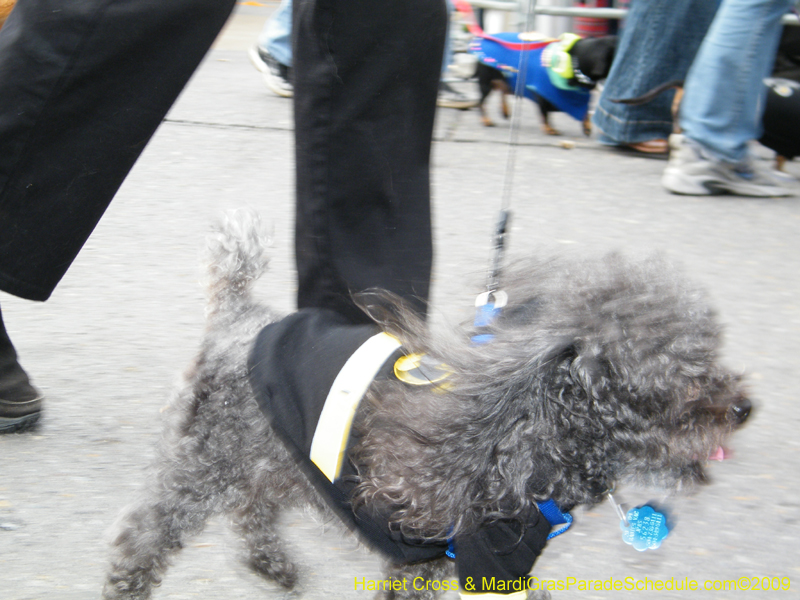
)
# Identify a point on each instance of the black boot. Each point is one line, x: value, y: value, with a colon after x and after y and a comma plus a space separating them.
x: 20, y: 402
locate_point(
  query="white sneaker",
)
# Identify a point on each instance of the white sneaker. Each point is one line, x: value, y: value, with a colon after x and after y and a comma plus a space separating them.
x: 450, y: 97
x: 693, y: 172
x: 277, y: 76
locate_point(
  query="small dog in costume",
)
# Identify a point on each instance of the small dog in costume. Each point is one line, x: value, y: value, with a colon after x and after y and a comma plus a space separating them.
x: 595, y: 373
x: 559, y: 73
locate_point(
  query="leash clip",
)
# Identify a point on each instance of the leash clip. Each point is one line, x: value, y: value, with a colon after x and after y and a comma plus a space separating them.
x: 488, y: 306
x: 495, y: 298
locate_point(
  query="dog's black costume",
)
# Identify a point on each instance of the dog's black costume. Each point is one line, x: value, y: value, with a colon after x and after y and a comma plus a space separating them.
x: 292, y: 368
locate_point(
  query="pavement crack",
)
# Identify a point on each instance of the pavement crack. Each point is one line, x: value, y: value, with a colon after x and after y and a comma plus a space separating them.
x: 215, y: 125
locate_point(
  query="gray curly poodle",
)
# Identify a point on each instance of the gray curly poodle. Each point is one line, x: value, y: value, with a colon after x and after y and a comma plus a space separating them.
x: 597, y: 373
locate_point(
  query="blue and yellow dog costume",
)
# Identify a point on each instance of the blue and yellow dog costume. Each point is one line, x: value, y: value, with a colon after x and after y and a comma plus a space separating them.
x: 550, y: 71
x: 557, y: 77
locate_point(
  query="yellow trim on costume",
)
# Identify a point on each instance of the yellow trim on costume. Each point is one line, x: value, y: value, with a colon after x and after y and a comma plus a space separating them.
x: 521, y: 595
x: 349, y: 387
x: 557, y: 58
x: 568, y: 40
x: 559, y: 62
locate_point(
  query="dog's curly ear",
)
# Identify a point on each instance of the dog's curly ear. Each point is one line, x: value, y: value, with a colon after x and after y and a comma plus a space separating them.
x: 557, y: 365
x: 584, y: 373
x: 391, y: 312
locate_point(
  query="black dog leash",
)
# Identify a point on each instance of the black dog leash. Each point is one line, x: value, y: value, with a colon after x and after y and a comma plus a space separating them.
x: 504, y: 217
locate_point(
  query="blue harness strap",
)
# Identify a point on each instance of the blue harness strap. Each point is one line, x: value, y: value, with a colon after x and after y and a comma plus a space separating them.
x: 556, y: 518
x: 485, y: 314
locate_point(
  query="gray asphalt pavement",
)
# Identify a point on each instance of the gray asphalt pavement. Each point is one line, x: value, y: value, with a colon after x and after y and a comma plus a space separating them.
x: 107, y: 348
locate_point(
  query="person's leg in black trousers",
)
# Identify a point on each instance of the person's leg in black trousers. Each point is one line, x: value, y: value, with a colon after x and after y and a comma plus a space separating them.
x: 366, y: 81
x: 19, y: 401
x: 83, y: 86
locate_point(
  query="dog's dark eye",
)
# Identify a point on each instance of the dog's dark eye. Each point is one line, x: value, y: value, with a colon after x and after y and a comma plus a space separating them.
x: 740, y: 411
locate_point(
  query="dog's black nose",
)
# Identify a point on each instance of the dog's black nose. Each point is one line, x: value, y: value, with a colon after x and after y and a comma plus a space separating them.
x: 740, y: 411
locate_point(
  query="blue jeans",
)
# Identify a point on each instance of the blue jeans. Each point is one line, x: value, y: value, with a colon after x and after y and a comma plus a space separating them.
x: 276, y: 37
x: 657, y: 45
x: 448, y: 47
x: 723, y: 101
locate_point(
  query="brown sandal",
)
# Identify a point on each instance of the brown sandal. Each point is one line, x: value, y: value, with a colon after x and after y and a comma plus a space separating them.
x: 657, y: 146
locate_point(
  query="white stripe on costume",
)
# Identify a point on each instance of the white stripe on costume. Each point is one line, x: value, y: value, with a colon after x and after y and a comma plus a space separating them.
x: 349, y: 387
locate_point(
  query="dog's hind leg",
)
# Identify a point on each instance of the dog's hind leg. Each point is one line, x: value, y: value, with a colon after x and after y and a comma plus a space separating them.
x: 266, y: 556
x: 422, y: 581
x: 151, y: 535
x: 156, y: 529
x: 190, y: 482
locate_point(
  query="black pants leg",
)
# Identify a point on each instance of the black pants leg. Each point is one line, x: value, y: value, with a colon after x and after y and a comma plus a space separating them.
x: 14, y: 381
x: 366, y: 79
x: 83, y: 86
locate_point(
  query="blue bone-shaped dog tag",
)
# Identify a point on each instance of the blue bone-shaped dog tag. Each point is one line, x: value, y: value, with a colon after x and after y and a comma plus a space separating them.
x: 646, y: 528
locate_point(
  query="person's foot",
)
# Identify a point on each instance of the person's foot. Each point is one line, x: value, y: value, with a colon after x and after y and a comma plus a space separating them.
x: 692, y: 171
x: 452, y: 98
x: 277, y: 76
x: 19, y: 415
x: 20, y: 402
x: 655, y: 146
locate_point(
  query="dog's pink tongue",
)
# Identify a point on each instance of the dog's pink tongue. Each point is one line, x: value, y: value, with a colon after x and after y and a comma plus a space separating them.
x: 719, y: 454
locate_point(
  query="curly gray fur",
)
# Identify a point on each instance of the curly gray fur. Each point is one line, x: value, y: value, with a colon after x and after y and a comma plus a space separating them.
x: 600, y: 371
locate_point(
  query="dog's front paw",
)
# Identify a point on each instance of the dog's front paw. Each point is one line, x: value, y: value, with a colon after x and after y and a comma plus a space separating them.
x: 123, y: 590
x: 549, y: 129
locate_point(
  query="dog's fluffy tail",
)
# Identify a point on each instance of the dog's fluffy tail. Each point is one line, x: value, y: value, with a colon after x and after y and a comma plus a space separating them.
x: 236, y: 257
